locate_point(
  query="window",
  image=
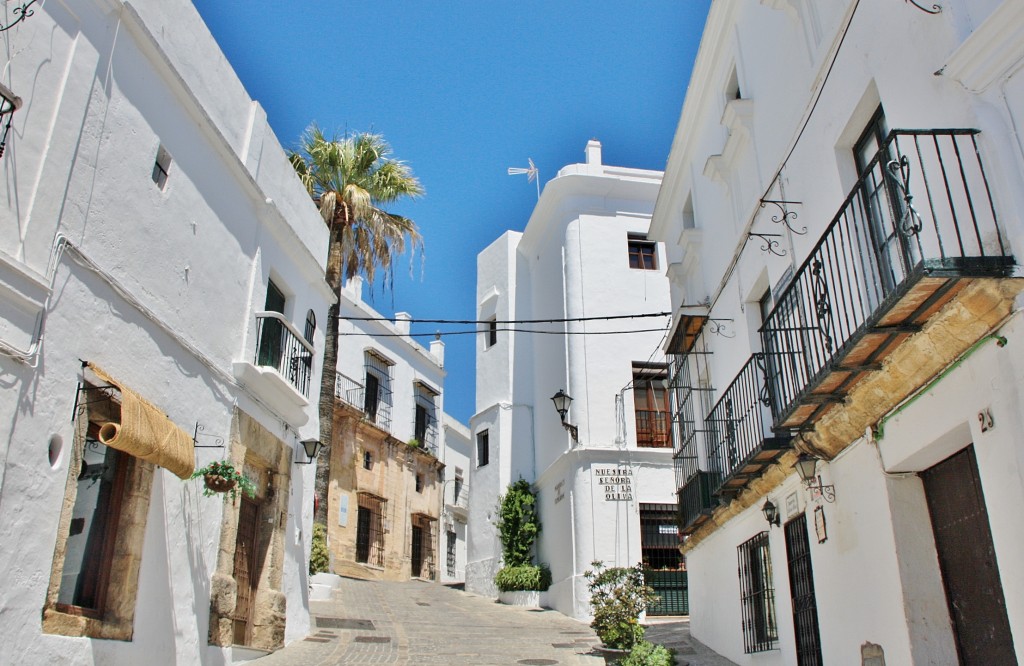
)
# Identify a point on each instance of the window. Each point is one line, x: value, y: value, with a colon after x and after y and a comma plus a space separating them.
x: 377, y: 398
x: 425, y: 416
x: 483, y: 448
x: 367, y: 460
x: 419, y: 483
x: 757, y: 595
x: 370, y: 530
x: 457, y: 486
x: 491, y: 335
x: 310, y: 326
x: 161, y: 167
x: 659, y: 536
x: 642, y: 252
x: 450, y: 553
x: 650, y: 401
x: 100, y: 536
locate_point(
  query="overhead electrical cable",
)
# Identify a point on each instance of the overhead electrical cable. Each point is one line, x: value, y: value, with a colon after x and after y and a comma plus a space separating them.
x: 511, y: 321
x: 500, y: 330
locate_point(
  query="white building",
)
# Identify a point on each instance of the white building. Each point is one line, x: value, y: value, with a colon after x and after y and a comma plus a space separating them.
x: 387, y: 462
x: 844, y: 196
x: 161, y: 280
x: 582, y: 259
x: 456, y: 456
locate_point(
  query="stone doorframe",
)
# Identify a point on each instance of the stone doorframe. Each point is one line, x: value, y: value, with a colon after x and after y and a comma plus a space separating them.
x: 267, y: 460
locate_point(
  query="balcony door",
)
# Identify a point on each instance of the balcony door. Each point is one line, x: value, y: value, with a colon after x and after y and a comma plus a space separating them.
x: 271, y: 343
x: 881, y: 205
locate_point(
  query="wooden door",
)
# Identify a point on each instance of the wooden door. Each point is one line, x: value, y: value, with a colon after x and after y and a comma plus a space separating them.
x: 417, y: 551
x: 967, y: 559
x: 246, y: 574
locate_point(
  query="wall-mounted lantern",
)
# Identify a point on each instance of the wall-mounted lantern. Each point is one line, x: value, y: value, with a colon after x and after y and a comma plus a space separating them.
x: 805, y: 469
x: 312, y: 448
x: 771, y: 512
x: 562, y: 401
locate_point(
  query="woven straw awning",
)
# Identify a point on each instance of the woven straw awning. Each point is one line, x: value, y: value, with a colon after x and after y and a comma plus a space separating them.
x: 146, y: 432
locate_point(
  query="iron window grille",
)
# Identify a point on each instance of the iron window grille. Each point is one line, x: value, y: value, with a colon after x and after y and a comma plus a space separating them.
x: 659, y: 536
x: 377, y: 394
x: 370, y: 530
x: 491, y: 333
x: 450, y: 553
x: 483, y: 448
x: 757, y: 595
x: 425, y: 417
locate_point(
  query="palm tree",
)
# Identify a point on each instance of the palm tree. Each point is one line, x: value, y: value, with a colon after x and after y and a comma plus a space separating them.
x: 351, y: 178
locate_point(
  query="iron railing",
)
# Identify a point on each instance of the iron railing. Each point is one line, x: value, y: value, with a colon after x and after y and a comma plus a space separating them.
x: 376, y: 407
x: 739, y: 423
x: 280, y: 346
x: 652, y: 429
x: 922, y: 207
x: 424, y: 423
x: 757, y: 594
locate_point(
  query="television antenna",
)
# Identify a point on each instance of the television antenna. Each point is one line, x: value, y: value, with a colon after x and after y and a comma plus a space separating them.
x: 532, y: 174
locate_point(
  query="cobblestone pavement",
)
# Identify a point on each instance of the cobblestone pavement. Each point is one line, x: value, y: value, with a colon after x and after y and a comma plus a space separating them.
x: 415, y: 622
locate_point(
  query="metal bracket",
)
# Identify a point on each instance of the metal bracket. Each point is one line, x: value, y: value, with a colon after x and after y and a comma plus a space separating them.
x: 218, y: 441
x: 770, y: 245
x: 21, y: 13
x: 717, y: 327
x: 106, y: 391
x: 786, y: 214
x: 936, y: 9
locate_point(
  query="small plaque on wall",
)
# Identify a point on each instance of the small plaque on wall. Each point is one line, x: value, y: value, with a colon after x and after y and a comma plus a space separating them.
x: 819, y: 525
x: 343, y: 510
x: 792, y: 505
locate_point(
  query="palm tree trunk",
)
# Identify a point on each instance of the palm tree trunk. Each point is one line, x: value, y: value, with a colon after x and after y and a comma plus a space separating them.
x: 329, y: 373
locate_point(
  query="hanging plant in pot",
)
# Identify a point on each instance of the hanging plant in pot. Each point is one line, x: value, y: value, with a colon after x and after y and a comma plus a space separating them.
x: 221, y: 476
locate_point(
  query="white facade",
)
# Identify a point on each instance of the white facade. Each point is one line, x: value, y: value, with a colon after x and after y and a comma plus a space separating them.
x: 457, y: 454
x: 869, y: 364
x: 570, y: 263
x: 162, y: 285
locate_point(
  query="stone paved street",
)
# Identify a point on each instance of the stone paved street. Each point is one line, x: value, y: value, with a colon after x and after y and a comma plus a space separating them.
x: 415, y: 623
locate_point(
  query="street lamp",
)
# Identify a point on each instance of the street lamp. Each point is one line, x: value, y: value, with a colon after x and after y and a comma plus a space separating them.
x: 805, y: 469
x: 312, y: 448
x: 562, y: 401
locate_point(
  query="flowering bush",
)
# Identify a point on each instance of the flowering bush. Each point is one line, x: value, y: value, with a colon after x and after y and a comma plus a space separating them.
x: 618, y: 596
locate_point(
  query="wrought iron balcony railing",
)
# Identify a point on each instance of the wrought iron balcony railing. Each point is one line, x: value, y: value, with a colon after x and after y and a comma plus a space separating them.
x: 741, y: 443
x: 652, y: 429
x: 920, y: 218
x: 693, y: 483
x: 280, y: 346
x: 375, y: 405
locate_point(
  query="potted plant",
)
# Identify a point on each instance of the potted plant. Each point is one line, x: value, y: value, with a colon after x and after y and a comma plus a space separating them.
x: 618, y: 596
x: 520, y: 582
x: 221, y: 476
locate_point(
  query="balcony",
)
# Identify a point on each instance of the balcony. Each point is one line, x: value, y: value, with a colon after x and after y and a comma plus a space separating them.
x: 282, y: 367
x: 741, y: 444
x: 456, y: 497
x: 917, y: 232
x: 375, y: 405
x: 694, y: 484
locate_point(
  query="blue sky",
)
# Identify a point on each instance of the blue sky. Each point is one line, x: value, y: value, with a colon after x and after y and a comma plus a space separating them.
x: 463, y: 90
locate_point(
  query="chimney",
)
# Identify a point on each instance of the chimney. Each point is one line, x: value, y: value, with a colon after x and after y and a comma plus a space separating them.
x: 402, y: 320
x: 437, y: 349
x: 355, y: 287
x: 593, y: 152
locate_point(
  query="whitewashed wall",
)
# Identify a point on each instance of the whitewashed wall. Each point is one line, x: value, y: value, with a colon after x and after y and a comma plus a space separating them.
x: 876, y: 576
x: 157, y: 287
x: 570, y: 262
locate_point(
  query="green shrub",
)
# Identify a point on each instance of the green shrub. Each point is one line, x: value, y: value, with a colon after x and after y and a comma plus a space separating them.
x: 319, y: 561
x: 518, y: 523
x: 645, y: 653
x: 525, y: 578
x: 618, y: 596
